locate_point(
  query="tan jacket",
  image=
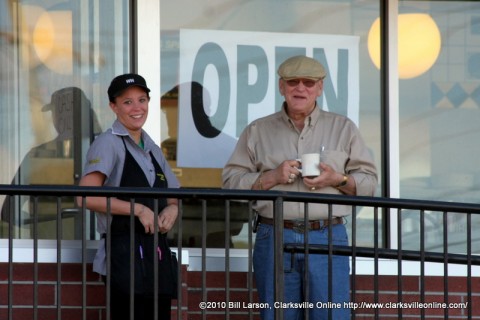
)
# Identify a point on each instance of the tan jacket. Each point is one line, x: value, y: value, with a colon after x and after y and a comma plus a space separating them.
x: 268, y: 141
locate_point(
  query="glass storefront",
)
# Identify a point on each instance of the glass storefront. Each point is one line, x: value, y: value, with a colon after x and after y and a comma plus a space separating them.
x: 227, y: 53
x: 439, y: 112
x: 58, y: 57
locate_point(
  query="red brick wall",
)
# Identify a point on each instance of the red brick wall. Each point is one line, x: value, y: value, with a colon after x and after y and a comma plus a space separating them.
x: 364, y: 292
x: 71, y: 292
x: 411, y: 288
x: 217, y: 296
x: 192, y: 294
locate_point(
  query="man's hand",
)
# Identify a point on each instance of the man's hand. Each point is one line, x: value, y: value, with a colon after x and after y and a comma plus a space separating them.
x: 330, y: 178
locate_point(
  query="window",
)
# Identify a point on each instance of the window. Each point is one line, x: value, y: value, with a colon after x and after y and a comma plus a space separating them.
x: 56, y: 60
x: 439, y: 130
x: 56, y: 56
x: 223, y: 55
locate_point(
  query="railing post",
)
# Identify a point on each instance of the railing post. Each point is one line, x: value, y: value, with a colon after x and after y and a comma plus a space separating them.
x: 155, y: 261
x: 180, y: 259
x: 132, y: 259
x: 10, y: 258
x: 279, y: 283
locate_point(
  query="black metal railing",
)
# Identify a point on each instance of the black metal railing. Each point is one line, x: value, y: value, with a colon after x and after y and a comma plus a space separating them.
x: 380, y: 208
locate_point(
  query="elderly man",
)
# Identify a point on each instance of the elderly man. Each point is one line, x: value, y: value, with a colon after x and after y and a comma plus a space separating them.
x: 265, y: 158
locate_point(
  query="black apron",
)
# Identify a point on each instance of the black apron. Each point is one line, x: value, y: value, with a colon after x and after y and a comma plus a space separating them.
x: 133, y: 176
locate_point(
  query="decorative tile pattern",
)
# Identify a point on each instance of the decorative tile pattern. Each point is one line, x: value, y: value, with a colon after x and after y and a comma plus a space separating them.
x: 451, y: 95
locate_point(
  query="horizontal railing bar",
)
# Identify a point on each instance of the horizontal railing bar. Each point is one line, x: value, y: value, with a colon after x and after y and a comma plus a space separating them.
x: 383, y: 253
x: 182, y: 193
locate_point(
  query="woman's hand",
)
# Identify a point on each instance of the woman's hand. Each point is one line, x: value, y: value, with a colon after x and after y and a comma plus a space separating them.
x: 167, y: 218
x: 145, y: 215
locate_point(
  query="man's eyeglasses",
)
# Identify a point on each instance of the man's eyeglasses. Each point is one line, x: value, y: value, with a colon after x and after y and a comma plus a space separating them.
x: 306, y: 82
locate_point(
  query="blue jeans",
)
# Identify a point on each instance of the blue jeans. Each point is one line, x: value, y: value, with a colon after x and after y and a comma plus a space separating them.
x: 318, y: 274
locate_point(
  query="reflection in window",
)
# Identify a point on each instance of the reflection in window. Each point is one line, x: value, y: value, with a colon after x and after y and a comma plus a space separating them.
x: 52, y: 163
x: 439, y: 112
x: 56, y: 61
x: 295, y: 17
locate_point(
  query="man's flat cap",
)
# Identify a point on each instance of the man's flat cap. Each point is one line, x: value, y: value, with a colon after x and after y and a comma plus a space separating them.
x: 301, y: 67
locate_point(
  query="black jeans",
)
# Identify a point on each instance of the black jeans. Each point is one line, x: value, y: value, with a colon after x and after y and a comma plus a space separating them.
x: 143, y: 306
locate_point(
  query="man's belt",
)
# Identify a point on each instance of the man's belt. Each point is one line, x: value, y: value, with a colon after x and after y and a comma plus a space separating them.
x: 299, y: 225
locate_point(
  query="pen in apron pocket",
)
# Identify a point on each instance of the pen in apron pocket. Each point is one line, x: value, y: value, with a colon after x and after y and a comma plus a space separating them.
x: 159, y: 254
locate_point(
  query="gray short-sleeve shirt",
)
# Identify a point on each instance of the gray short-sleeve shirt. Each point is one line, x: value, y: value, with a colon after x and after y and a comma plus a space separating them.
x: 107, y: 156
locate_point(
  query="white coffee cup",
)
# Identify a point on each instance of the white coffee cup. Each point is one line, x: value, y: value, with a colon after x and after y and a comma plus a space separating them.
x: 310, y: 164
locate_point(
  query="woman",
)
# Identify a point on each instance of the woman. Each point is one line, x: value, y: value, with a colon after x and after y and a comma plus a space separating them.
x: 125, y: 156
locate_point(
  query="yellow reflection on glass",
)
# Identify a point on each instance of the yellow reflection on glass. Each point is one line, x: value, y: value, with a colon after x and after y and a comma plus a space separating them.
x: 419, y: 43
x: 52, y: 40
